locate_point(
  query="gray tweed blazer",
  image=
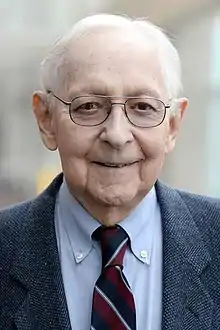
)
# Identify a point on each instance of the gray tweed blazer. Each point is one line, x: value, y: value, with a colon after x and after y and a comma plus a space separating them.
x: 31, y: 289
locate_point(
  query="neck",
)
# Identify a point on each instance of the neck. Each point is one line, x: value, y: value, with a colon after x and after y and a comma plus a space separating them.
x: 109, y: 215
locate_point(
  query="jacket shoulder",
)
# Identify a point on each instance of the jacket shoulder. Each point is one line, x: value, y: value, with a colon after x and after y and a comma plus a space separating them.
x: 200, y: 203
x: 206, y: 213
x: 12, y: 221
x: 199, y: 198
x: 12, y: 216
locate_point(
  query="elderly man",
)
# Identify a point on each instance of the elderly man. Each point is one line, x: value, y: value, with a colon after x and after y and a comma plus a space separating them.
x: 107, y: 246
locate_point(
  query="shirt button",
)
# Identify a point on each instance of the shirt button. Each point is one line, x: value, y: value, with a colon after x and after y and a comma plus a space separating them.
x: 79, y: 256
x: 143, y: 254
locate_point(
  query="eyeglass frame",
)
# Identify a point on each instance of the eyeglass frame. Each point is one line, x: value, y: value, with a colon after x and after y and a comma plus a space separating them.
x: 166, y: 106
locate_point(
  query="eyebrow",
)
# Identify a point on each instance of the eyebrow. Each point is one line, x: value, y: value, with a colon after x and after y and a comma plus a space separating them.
x: 104, y: 90
x: 146, y: 91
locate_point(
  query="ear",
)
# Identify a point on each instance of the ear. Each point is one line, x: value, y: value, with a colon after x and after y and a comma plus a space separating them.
x: 45, y: 120
x: 175, y: 120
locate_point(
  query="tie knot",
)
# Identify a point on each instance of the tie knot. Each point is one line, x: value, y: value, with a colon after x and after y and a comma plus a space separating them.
x: 113, y: 241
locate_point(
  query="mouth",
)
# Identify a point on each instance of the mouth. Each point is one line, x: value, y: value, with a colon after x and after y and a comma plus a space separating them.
x: 113, y: 165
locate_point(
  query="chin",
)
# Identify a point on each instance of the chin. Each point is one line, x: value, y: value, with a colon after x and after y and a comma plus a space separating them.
x: 113, y: 197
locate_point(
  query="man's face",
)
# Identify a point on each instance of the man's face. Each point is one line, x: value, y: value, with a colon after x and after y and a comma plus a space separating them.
x: 113, y: 63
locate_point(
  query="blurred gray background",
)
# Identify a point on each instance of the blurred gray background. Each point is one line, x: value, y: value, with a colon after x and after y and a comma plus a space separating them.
x: 27, y: 31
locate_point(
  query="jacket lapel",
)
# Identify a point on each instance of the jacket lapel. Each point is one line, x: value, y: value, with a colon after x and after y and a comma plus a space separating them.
x: 186, y: 303
x: 36, y: 274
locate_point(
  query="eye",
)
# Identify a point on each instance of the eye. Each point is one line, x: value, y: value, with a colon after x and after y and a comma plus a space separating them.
x: 142, y: 106
x: 89, y: 106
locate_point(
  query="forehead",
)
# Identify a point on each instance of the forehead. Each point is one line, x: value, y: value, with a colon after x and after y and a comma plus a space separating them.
x: 113, y: 61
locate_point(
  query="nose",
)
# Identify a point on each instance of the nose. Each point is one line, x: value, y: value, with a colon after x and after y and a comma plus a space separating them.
x: 117, y: 131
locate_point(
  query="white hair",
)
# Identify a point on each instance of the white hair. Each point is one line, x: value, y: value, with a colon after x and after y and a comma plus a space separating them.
x: 52, y: 66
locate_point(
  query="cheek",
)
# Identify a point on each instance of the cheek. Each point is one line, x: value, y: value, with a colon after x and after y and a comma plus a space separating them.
x: 153, y: 147
x: 73, y: 141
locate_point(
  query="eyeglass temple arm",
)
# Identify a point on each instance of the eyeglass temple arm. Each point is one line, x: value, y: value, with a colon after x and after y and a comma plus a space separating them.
x: 58, y: 98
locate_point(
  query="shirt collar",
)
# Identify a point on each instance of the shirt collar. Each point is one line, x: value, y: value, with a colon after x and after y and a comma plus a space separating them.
x: 77, y: 222
x: 80, y: 225
x: 140, y: 224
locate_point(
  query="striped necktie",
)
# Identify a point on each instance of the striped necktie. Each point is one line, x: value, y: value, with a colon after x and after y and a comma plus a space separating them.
x: 113, y: 303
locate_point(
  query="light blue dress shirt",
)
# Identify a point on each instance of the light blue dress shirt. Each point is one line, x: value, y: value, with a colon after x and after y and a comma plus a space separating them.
x: 80, y: 259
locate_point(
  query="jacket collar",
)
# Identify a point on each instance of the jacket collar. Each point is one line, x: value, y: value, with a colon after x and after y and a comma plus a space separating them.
x: 36, y: 266
x: 186, y: 304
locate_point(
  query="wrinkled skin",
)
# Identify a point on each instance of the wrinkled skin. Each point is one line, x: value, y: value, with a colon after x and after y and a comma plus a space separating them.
x: 114, y: 63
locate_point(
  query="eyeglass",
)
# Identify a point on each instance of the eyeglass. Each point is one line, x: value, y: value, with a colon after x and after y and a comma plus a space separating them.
x: 93, y: 110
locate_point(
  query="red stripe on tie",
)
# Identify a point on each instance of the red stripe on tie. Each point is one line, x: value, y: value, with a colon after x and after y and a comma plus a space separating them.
x: 107, y: 313
x: 113, y: 275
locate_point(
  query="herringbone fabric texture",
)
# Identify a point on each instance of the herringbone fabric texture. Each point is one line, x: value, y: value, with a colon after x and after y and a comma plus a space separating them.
x: 113, y: 303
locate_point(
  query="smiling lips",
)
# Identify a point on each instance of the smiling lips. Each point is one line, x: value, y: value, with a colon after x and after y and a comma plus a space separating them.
x: 115, y: 165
